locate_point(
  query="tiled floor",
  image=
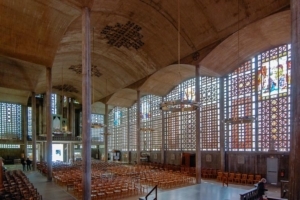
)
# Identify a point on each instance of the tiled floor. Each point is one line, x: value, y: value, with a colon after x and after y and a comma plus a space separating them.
x: 207, y: 190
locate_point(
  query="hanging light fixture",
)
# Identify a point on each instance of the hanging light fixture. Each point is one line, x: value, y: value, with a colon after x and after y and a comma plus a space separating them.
x: 247, y: 118
x: 147, y: 129
x: 179, y: 105
x: 95, y: 124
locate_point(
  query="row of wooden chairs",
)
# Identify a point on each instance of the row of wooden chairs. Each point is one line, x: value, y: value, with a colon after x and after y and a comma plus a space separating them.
x: 238, y: 177
x: 119, y: 181
x: 17, y: 187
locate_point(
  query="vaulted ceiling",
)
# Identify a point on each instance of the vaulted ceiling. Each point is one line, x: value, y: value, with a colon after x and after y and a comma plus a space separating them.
x: 134, y: 44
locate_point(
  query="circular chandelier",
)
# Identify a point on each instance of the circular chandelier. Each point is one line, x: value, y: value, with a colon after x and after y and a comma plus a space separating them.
x: 240, y: 120
x: 147, y: 129
x: 97, y: 125
x: 184, y: 105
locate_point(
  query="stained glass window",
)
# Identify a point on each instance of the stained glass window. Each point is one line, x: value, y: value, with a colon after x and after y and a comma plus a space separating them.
x: 29, y: 121
x: 274, y: 86
x: 260, y: 88
x: 54, y: 104
x: 132, y: 128
x: 150, y: 123
x: 97, y: 133
x: 118, y: 129
x: 10, y: 121
x: 209, y: 112
x: 173, y: 122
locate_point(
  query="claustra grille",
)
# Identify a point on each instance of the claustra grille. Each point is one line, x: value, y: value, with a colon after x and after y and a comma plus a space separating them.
x: 260, y: 88
x: 10, y: 122
x: 117, y: 130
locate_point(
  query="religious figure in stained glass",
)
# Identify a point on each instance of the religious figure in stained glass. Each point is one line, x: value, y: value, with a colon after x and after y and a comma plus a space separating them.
x: 273, y: 77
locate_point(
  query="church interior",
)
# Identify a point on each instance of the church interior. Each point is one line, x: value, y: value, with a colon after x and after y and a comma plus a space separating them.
x: 110, y: 99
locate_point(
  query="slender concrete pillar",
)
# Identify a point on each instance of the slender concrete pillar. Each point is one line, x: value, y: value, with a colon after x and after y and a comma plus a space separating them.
x: 198, y: 142
x: 222, y: 128
x: 86, y: 104
x: 72, y: 152
x: 49, y: 123
x: 106, y: 133
x: 72, y: 118
x: 25, y: 128
x: 44, y: 151
x: 128, y: 137
x: 163, y: 141
x: 40, y: 126
x: 44, y: 131
x: 294, y: 175
x: 138, y: 128
x: 1, y: 176
x: 33, y: 125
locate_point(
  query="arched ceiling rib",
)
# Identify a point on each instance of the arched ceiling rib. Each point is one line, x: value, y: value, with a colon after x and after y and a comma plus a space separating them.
x: 262, y: 35
x: 48, y: 33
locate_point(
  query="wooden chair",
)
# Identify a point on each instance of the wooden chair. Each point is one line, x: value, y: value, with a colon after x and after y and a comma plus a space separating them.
x: 244, y: 178
x: 206, y: 173
x: 225, y: 178
x: 257, y: 178
x: 213, y: 173
x: 250, y: 179
x: 237, y: 178
x: 231, y: 177
x: 219, y: 176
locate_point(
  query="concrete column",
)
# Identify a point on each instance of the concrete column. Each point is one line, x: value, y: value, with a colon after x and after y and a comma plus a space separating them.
x: 40, y: 126
x: 138, y: 128
x: 106, y: 133
x: 128, y: 137
x: 44, y: 151
x: 44, y: 121
x: 86, y: 104
x: 72, y: 151
x: 163, y: 141
x: 1, y: 176
x: 49, y: 123
x: 72, y: 118
x: 294, y: 175
x: 222, y: 128
x: 25, y: 128
x: 198, y: 142
x: 33, y: 125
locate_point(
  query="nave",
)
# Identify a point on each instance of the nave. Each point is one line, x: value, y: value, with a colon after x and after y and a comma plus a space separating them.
x: 206, y: 190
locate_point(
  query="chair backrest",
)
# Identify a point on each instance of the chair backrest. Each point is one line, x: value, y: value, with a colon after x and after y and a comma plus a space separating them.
x: 250, y: 176
x: 238, y: 175
x: 257, y: 177
x: 244, y: 176
x: 231, y: 175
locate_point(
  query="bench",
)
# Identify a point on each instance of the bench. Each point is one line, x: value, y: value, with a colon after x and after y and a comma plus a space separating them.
x: 252, y: 195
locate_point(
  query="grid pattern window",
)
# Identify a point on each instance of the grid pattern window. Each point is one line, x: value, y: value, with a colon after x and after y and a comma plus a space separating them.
x: 29, y: 123
x: 118, y: 124
x: 10, y: 121
x: 54, y: 104
x: 274, y: 89
x: 10, y: 146
x: 97, y: 133
x: 132, y: 128
x: 260, y: 89
x: 210, y: 117
x: 180, y: 125
x: 188, y: 118
x: 240, y: 105
x: 173, y: 122
x: 150, y: 123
